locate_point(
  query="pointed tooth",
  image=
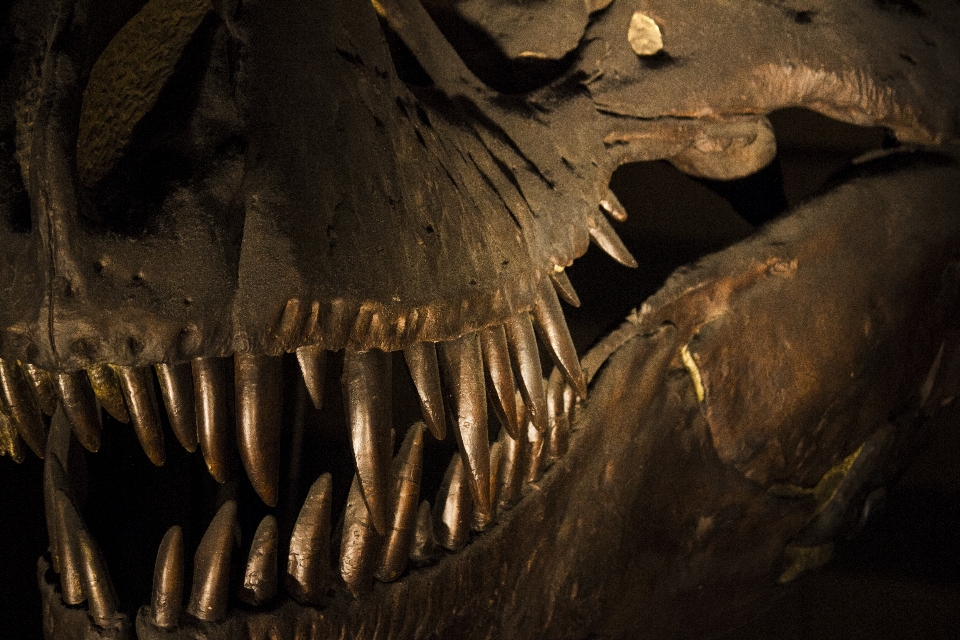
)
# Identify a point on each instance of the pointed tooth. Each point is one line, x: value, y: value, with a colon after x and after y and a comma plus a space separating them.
x: 405, y: 492
x: 41, y: 383
x: 463, y: 366
x: 496, y: 355
x: 66, y: 559
x: 454, y: 507
x: 211, y: 566
x: 260, y: 578
x: 360, y: 545
x: 558, y: 438
x: 80, y: 406
x: 213, y: 423
x: 10, y: 443
x: 54, y: 477
x: 168, y: 579
x: 552, y: 329
x: 425, y: 549
x: 536, y: 454
x: 603, y: 235
x: 367, y: 389
x: 421, y: 360
x: 611, y: 204
x: 141, y: 401
x: 511, y: 474
x: 308, y: 565
x: 259, y: 387
x: 525, y: 356
x: 313, y: 366
x: 19, y: 405
x: 563, y: 287
x: 176, y: 387
x: 106, y: 387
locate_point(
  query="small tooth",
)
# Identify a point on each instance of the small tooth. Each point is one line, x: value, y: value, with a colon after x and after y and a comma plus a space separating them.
x: 496, y: 355
x: 168, y: 579
x: 421, y: 360
x: 211, y: 567
x: 80, y: 406
x: 454, y: 507
x: 10, y: 443
x: 425, y: 549
x: 260, y: 578
x: 405, y: 473
x: 367, y: 389
x: 213, y: 423
x: 259, y: 387
x: 141, y: 401
x: 308, y: 565
x: 564, y: 287
x: 611, y: 204
x: 510, y: 476
x: 313, y: 365
x: 106, y: 387
x: 525, y: 356
x: 176, y: 387
x: 463, y: 366
x: 559, y: 432
x: 603, y: 235
x: 42, y: 386
x: 360, y: 545
x: 536, y: 454
x: 553, y: 331
x: 19, y: 405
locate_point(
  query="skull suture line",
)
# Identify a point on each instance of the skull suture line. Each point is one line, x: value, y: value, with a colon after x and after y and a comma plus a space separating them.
x: 194, y: 190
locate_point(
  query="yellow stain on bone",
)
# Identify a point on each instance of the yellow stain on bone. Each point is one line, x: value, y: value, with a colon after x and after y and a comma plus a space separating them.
x: 825, y: 488
x: 694, y: 371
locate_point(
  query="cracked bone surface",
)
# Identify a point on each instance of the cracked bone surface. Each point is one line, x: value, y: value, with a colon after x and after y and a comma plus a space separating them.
x: 325, y: 246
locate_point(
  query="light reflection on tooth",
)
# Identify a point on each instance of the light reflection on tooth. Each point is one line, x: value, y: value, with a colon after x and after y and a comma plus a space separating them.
x: 424, y: 549
x: 141, y: 401
x: 106, y: 387
x: 166, y: 602
x: 213, y: 432
x: 511, y: 474
x: 313, y: 366
x: 496, y: 356
x: 421, y: 360
x: 41, y: 384
x: 452, y: 513
x: 611, y: 204
x: 360, y: 545
x: 603, y: 235
x: 211, y: 566
x: 259, y: 386
x: 536, y: 454
x: 19, y: 405
x: 525, y: 356
x: 308, y: 565
x: 564, y: 287
x: 552, y: 328
x: 405, y: 475
x: 54, y: 477
x: 80, y: 406
x: 558, y: 435
x: 63, y: 549
x: 10, y: 443
x: 260, y: 578
x: 176, y: 387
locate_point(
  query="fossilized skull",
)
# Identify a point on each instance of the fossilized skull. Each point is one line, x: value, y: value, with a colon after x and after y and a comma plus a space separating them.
x: 194, y: 193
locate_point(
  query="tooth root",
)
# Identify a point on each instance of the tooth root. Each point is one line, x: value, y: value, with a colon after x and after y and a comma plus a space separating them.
x: 405, y: 474
x: 41, y: 384
x: 536, y: 454
x: 603, y: 235
x: 10, y: 443
x: 463, y: 365
x: 259, y: 386
x: 425, y: 549
x: 308, y: 565
x: 496, y: 355
x: 553, y: 331
x: 313, y: 365
x: 611, y: 204
x: 141, y: 401
x: 360, y: 545
x: 525, y: 356
x: 510, y: 476
x: 106, y: 387
x: 211, y: 567
x: 80, y: 406
x: 176, y: 387
x: 564, y: 288
x: 19, y: 405
x: 168, y: 579
x: 367, y: 388
x: 558, y: 439
x: 421, y: 360
x: 213, y: 432
x: 260, y: 578
x: 453, y: 509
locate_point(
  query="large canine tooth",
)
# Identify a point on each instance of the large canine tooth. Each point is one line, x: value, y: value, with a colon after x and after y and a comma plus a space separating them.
x: 360, y: 545
x: 260, y: 578
x: 259, y: 387
x: 63, y: 550
x: 525, y: 356
x: 510, y: 476
x: 313, y: 366
x: 405, y: 473
x: 211, y: 566
x: 176, y: 387
x: 424, y: 549
x: 141, y: 401
x: 168, y: 578
x: 552, y: 327
x: 10, y: 443
x: 308, y: 565
x: 42, y: 386
x: 213, y: 433
x: 558, y: 439
x: 564, y: 287
x: 463, y: 366
x: 603, y: 235
x: 80, y: 406
x: 496, y: 355
x: 106, y: 386
x: 611, y: 204
x: 19, y: 404
x: 536, y: 453
x: 421, y: 360
x: 367, y: 388
x: 454, y: 507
